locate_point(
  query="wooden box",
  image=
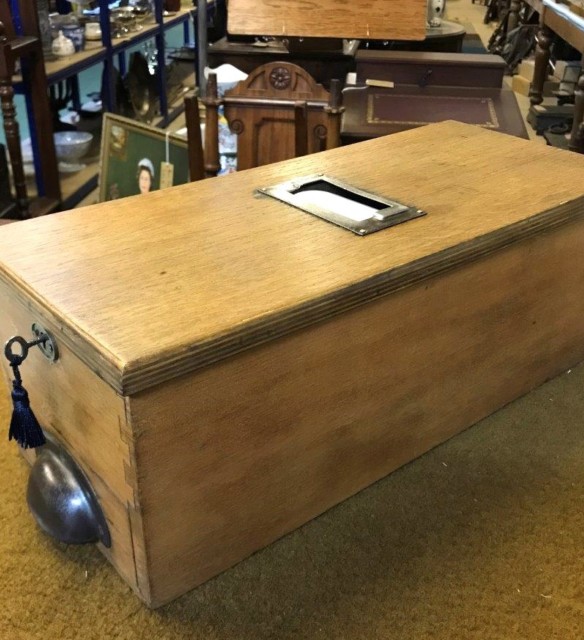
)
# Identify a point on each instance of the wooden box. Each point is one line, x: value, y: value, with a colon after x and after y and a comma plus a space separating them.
x: 230, y: 366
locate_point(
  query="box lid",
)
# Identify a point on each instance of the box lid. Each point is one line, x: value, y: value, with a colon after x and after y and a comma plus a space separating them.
x: 371, y: 19
x: 150, y: 287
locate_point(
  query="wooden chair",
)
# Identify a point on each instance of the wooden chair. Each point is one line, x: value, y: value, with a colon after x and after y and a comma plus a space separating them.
x: 279, y: 112
x: 27, y: 49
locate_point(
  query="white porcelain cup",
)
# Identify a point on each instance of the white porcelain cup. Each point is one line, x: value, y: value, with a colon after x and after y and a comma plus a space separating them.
x: 93, y: 30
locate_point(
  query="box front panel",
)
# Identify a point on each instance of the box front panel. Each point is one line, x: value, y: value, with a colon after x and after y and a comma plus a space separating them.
x: 235, y: 456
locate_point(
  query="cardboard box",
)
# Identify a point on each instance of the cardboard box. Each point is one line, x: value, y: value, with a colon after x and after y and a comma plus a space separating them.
x: 526, y: 69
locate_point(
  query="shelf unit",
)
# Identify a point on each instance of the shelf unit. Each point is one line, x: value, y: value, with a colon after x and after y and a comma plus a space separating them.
x: 111, y: 54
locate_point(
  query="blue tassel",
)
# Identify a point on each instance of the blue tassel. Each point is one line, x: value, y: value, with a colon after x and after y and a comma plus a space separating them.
x: 24, y: 427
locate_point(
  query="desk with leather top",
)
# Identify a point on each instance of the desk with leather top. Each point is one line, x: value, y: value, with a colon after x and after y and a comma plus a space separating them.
x: 373, y: 111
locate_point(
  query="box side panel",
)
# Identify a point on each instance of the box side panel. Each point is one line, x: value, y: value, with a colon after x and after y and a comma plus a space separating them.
x: 234, y: 456
x: 89, y: 419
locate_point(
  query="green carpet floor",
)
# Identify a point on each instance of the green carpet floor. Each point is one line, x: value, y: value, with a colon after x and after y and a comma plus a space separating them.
x: 482, y: 538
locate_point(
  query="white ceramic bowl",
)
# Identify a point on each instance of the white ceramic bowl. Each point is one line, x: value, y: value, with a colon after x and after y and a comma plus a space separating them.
x: 72, y: 145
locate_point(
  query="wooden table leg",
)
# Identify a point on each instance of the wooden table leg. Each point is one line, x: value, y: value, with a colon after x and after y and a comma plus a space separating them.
x: 12, y: 133
x: 542, y: 58
x: 575, y: 142
x: 212, y: 102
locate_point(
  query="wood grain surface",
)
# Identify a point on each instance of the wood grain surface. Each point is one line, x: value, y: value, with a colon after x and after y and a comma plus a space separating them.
x: 146, y: 288
x: 88, y: 418
x: 198, y: 466
x: 240, y: 453
x: 375, y: 19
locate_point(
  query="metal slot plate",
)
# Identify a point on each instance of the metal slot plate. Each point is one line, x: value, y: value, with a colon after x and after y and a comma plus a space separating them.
x: 342, y: 204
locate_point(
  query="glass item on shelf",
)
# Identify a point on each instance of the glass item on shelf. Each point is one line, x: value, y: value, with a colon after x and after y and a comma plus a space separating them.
x: 63, y: 46
x: 143, y: 9
x: 45, y: 27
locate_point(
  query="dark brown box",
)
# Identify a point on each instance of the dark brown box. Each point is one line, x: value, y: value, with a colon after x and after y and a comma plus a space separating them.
x: 426, y: 68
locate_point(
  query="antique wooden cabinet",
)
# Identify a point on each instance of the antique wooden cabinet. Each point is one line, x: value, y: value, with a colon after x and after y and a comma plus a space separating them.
x: 231, y: 366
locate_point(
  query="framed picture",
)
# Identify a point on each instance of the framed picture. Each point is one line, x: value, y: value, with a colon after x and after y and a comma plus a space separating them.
x: 137, y: 158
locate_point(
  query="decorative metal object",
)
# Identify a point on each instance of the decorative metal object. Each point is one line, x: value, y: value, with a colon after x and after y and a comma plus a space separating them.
x: 342, y: 204
x: 61, y: 499
x: 435, y: 11
x: 46, y: 343
x: 25, y: 429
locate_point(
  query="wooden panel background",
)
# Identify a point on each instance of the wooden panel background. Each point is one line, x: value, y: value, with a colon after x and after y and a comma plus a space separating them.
x: 251, y: 448
x: 365, y: 19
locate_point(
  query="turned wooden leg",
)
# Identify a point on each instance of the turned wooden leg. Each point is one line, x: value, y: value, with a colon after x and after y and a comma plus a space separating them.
x: 211, y: 102
x: 300, y: 129
x: 513, y: 19
x: 12, y: 132
x: 542, y: 58
x: 334, y: 111
x: 575, y: 142
x: 194, y: 142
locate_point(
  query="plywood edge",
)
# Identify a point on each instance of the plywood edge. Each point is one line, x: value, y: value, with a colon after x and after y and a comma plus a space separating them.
x: 139, y: 376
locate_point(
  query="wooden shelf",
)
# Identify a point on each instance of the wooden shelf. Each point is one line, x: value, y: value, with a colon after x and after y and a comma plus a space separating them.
x: 60, y: 68
x: 75, y: 186
x: 149, y: 30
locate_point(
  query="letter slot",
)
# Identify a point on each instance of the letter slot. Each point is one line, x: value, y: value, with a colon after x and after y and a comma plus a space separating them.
x: 342, y: 204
